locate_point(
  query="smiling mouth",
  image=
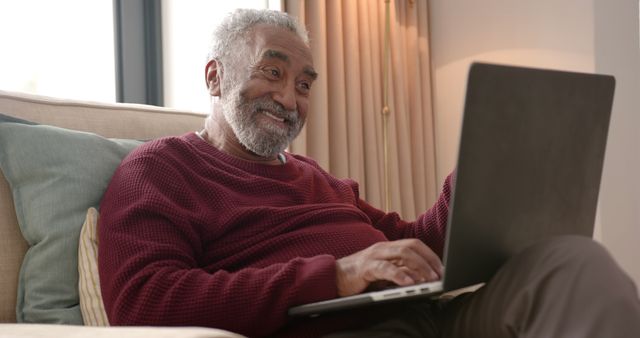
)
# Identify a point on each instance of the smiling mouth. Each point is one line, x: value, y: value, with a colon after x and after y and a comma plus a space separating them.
x: 279, y: 119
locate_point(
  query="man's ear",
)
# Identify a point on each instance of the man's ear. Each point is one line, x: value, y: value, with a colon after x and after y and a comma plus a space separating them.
x: 213, y: 76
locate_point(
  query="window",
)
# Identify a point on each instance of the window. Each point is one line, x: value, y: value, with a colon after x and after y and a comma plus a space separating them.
x: 66, y: 48
x: 186, y: 31
x: 58, y: 48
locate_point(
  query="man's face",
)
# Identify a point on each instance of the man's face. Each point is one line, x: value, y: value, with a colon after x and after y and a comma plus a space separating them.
x: 265, y: 96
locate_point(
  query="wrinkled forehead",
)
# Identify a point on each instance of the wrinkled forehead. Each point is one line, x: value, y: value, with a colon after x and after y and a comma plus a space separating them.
x: 264, y: 40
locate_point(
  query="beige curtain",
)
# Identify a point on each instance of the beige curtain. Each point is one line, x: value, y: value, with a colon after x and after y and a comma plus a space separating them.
x: 344, y: 127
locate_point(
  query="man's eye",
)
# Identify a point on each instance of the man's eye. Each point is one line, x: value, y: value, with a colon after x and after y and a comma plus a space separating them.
x: 304, y: 86
x: 274, y: 73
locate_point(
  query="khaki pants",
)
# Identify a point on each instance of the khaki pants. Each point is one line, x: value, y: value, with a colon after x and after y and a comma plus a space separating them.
x: 565, y: 287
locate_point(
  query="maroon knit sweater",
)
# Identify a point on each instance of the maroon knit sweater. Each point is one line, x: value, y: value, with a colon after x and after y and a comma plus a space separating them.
x: 191, y: 236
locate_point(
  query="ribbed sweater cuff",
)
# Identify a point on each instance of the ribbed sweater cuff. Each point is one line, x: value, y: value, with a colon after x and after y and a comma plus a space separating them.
x: 319, y: 277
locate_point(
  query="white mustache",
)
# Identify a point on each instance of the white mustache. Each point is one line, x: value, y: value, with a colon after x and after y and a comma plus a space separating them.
x: 275, y: 109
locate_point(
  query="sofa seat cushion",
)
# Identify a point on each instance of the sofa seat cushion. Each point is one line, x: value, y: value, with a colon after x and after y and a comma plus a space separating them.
x: 74, y: 331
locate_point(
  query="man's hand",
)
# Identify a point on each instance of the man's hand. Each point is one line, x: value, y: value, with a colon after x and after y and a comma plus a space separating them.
x: 403, y: 262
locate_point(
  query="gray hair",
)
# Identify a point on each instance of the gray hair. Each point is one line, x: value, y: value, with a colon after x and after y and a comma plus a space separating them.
x: 234, y: 28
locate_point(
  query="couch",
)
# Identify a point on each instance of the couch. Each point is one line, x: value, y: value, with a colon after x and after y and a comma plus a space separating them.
x: 56, y: 157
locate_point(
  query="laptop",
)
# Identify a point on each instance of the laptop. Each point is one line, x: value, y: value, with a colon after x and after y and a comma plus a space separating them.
x: 529, y: 165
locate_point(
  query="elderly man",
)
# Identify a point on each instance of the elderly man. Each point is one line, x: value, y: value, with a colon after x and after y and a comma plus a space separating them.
x: 222, y: 228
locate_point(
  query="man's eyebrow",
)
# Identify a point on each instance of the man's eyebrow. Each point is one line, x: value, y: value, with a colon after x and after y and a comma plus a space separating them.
x: 310, y: 72
x: 274, y: 54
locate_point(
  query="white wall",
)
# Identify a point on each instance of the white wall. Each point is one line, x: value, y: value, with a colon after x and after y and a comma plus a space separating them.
x: 571, y: 35
x: 617, y: 52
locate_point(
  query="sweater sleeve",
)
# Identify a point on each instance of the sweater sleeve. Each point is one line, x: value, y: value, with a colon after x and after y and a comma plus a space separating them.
x: 149, y: 262
x: 430, y: 227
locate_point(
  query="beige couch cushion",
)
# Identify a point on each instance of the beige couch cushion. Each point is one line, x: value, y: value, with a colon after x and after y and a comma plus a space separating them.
x: 12, y: 250
x: 110, y: 120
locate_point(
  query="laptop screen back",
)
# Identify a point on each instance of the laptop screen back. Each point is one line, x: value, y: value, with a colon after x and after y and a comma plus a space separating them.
x: 529, y: 167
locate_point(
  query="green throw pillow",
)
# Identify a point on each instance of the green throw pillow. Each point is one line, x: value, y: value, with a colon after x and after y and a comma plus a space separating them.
x: 55, y: 175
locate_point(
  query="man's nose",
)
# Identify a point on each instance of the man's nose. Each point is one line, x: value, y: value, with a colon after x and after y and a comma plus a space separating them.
x: 286, y: 96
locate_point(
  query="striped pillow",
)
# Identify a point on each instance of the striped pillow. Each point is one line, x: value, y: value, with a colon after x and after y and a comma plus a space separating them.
x: 91, y: 305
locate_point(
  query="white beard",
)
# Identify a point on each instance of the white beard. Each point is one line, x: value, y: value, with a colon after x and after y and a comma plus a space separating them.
x: 263, y: 139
